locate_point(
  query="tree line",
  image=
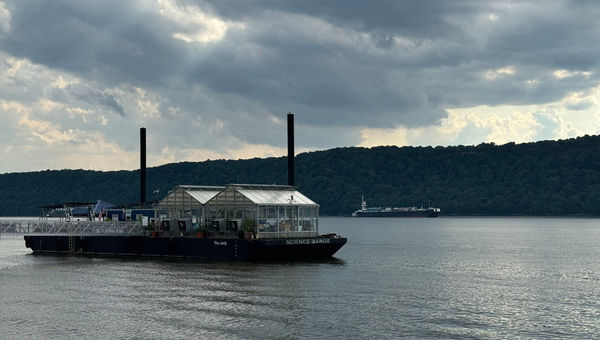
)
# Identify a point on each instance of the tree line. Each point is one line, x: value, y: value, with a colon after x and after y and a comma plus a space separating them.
x: 542, y: 178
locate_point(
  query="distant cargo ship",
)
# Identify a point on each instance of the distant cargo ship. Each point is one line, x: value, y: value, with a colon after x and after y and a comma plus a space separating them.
x: 395, y: 212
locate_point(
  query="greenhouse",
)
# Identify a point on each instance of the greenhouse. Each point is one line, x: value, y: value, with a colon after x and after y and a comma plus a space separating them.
x: 185, y: 205
x: 266, y: 211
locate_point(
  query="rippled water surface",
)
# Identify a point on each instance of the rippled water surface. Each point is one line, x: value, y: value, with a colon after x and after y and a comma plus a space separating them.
x: 421, y: 278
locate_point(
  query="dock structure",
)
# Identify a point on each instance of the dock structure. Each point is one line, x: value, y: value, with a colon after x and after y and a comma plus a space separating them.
x: 70, y: 228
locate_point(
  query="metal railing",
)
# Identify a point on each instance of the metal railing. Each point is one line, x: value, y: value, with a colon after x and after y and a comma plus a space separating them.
x: 285, y: 234
x: 22, y: 227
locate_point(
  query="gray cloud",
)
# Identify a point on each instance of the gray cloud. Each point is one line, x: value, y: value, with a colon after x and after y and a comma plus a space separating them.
x: 548, y: 125
x: 110, y: 40
x: 103, y: 99
x: 582, y: 105
x: 340, y: 66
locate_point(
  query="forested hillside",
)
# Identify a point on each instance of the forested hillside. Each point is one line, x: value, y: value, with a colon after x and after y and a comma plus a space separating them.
x: 543, y: 178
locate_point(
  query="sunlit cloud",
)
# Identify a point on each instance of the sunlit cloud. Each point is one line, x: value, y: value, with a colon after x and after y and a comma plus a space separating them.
x: 576, y: 114
x: 561, y: 74
x: 192, y: 24
x: 12, y: 106
x: 46, y: 105
x: 62, y: 84
x: 147, y: 106
x: 47, y: 132
x: 504, y: 71
x: 90, y: 151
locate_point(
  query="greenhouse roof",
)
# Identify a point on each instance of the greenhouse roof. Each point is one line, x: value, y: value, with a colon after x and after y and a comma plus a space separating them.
x: 188, y: 196
x: 202, y: 194
x: 261, y: 195
x: 276, y: 197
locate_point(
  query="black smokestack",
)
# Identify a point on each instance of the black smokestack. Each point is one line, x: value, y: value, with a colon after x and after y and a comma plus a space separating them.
x: 142, y: 165
x: 290, y: 133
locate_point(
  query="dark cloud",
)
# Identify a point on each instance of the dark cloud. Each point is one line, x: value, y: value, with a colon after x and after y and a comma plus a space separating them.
x: 348, y: 64
x: 102, y: 99
x: 412, y: 18
x: 110, y: 40
x: 444, y: 65
x: 86, y: 96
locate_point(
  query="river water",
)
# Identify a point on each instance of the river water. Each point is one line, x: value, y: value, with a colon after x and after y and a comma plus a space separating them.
x: 416, y: 278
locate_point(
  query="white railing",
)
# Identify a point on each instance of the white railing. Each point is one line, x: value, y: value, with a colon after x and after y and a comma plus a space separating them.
x: 72, y: 228
x: 285, y: 234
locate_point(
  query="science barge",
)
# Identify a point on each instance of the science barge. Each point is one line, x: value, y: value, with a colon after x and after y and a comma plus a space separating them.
x: 395, y: 212
x: 246, y: 222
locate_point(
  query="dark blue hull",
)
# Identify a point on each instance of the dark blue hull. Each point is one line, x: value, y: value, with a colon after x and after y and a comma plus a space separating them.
x: 189, y: 247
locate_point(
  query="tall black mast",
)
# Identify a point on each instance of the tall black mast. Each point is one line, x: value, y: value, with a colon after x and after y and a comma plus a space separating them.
x: 290, y: 157
x: 142, y: 165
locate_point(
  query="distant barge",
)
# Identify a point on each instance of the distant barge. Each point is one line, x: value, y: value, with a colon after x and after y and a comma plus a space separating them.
x: 395, y: 212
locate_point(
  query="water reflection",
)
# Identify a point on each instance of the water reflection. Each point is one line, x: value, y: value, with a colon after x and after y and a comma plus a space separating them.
x: 441, y: 278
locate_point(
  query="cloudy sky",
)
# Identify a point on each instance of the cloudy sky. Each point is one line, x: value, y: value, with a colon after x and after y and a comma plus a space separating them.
x: 214, y: 79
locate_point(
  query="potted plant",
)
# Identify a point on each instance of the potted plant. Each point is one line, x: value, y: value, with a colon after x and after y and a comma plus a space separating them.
x: 201, y: 232
x: 248, y: 225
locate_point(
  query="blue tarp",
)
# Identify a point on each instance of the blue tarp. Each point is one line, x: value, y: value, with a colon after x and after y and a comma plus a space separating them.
x: 102, y: 206
x: 96, y: 208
